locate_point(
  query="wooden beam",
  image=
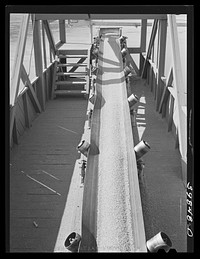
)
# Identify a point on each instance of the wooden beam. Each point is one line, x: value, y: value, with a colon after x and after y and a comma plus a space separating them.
x: 134, y: 50
x: 127, y: 16
x: 91, y: 31
x: 130, y: 60
x: 26, y: 113
x: 152, y: 38
x: 97, y: 16
x: 61, y: 16
x: 32, y: 94
x: 62, y: 31
x: 161, y: 57
x: 15, y: 78
x: 53, y: 80
x: 50, y: 36
x: 39, y: 63
x: 81, y: 60
x: 15, y: 134
x: 44, y: 46
x: 179, y: 87
x: 143, y: 35
x: 165, y: 93
x: 171, y: 112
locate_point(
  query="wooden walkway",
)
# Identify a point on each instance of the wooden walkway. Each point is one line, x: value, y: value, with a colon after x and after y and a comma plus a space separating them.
x: 43, y: 163
x: 41, y: 168
x: 162, y: 190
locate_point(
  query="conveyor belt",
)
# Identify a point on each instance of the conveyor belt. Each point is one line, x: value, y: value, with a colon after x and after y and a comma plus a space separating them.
x: 112, y: 217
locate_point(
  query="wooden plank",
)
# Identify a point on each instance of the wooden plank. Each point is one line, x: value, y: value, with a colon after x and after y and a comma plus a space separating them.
x: 44, y: 46
x: 82, y: 16
x: 143, y: 35
x: 151, y: 42
x: 179, y: 87
x: 165, y: 91
x: 80, y: 61
x: 126, y: 16
x: 161, y: 57
x: 172, y: 91
x: 15, y: 133
x: 130, y: 60
x: 171, y: 112
x: 62, y: 31
x: 26, y: 113
x: 31, y: 110
x: 53, y: 80
x: 88, y: 70
x: 50, y: 36
x: 32, y: 94
x: 134, y: 50
x: 64, y: 16
x: 15, y: 79
x: 39, y: 63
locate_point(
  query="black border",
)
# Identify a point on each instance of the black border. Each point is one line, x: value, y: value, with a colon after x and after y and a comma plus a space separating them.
x: 125, y: 9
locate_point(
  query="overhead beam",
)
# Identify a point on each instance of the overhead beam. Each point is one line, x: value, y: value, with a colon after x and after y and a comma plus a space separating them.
x: 127, y: 16
x: 67, y: 16
x: 54, y: 16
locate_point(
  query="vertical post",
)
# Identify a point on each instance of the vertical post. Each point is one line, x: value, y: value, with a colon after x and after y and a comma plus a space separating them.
x: 161, y: 58
x: 62, y: 31
x: 143, y: 42
x: 143, y: 35
x: 15, y: 79
x: 44, y: 46
x: 91, y: 32
x: 179, y: 91
x: 38, y: 63
x: 26, y: 113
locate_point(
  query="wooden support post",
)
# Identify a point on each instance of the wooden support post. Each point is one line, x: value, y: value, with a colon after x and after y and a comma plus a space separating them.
x: 53, y: 80
x: 44, y: 46
x: 38, y: 63
x: 50, y: 54
x: 91, y: 32
x: 179, y: 88
x: 171, y: 112
x: 50, y: 37
x: 62, y: 31
x: 161, y: 58
x: 165, y: 93
x: 151, y: 42
x: 26, y: 113
x: 15, y: 79
x: 142, y: 43
x: 15, y: 134
x: 31, y: 91
x: 143, y: 35
x: 130, y: 60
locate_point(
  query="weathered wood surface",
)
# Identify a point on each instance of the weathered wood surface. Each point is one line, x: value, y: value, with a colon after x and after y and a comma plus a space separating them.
x: 47, y: 153
x: 161, y: 183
